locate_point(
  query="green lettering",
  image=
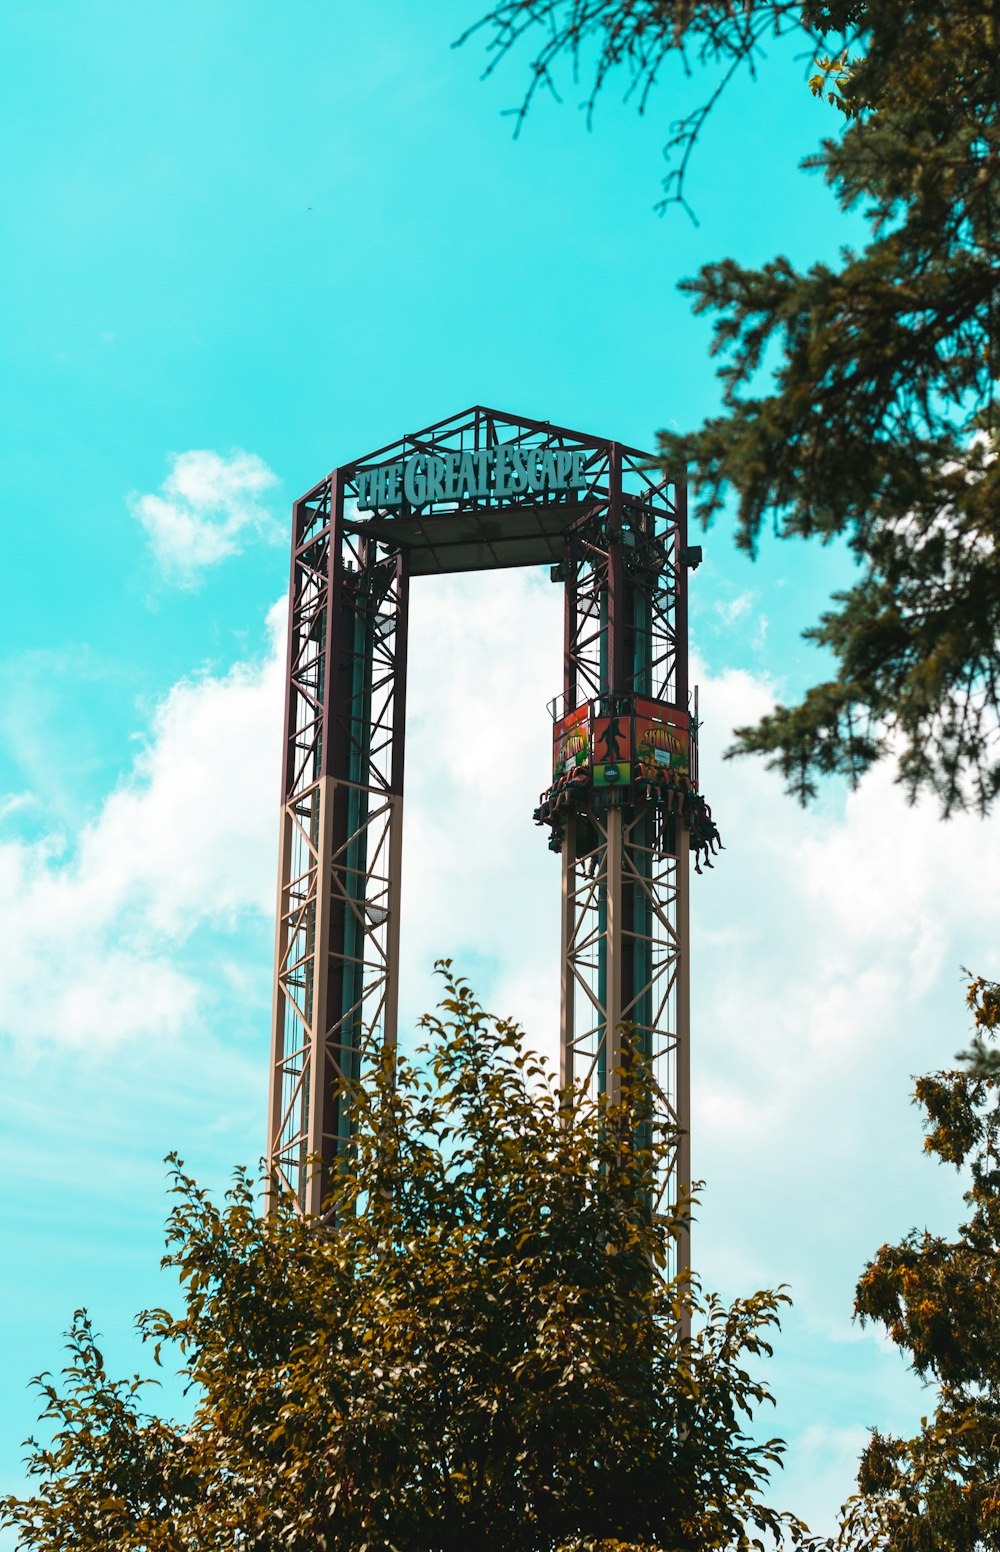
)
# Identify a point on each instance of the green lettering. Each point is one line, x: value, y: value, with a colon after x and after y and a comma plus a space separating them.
x: 467, y: 475
x: 518, y: 471
x: 536, y: 475
x: 365, y: 479
x: 389, y: 484
x: 414, y: 483
x: 485, y: 459
x: 501, y: 460
x: 434, y: 472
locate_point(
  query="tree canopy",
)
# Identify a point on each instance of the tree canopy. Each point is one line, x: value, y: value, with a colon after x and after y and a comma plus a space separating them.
x: 858, y: 398
x: 481, y: 1345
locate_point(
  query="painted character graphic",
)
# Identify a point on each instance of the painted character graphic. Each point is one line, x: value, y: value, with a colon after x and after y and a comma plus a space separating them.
x: 612, y: 741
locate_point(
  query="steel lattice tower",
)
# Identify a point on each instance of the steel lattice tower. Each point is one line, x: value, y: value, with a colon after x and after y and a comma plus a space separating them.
x: 485, y: 490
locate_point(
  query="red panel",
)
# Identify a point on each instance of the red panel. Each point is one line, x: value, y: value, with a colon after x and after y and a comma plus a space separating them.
x: 570, y: 742
x: 662, y: 738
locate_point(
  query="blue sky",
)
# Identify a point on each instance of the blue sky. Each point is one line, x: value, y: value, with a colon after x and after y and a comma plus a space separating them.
x: 255, y: 241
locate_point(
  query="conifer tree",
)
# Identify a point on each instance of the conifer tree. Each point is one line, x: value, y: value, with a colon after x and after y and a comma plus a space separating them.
x: 878, y: 422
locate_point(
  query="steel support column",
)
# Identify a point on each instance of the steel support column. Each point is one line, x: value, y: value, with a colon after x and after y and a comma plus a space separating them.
x: 625, y: 972
x: 337, y: 949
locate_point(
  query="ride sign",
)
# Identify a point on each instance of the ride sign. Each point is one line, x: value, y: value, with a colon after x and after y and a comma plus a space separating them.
x: 501, y: 471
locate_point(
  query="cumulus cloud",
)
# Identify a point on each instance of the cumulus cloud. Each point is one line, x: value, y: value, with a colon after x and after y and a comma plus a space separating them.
x: 206, y: 510
x: 826, y: 954
x: 732, y: 609
x: 96, y: 930
x: 15, y: 803
x: 827, y: 1462
x: 479, y: 882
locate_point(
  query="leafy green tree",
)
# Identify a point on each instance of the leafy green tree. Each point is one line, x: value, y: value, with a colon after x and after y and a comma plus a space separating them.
x: 859, y: 398
x: 481, y: 1346
x: 939, y: 1301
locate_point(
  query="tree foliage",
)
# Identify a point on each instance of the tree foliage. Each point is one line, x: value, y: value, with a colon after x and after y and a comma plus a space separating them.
x: 638, y: 37
x: 482, y: 1345
x: 939, y: 1301
x: 859, y: 398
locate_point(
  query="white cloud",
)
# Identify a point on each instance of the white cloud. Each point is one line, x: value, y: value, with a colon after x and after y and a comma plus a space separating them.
x: 825, y: 957
x: 95, y: 932
x: 732, y: 609
x: 479, y: 882
x: 15, y: 802
x: 206, y: 509
x: 826, y: 1465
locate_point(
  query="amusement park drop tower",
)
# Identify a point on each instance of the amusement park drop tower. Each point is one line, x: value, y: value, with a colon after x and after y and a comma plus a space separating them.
x: 480, y: 491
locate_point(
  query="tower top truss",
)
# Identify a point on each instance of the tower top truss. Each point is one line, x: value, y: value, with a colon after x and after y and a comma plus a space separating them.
x: 520, y: 519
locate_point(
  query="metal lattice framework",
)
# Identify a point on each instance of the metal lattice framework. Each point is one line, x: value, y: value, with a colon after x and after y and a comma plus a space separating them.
x: 617, y: 539
x: 337, y: 948
x: 625, y: 967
